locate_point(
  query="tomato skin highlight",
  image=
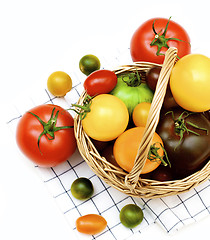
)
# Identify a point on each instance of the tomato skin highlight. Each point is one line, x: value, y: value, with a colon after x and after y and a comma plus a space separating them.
x: 140, y: 42
x: 51, y: 152
x: 91, y: 224
x: 100, y: 82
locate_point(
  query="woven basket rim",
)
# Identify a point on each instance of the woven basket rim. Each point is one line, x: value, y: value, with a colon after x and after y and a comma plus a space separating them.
x: 132, y: 183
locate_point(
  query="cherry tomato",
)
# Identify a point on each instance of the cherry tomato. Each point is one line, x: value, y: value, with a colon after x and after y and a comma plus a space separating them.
x: 91, y: 224
x: 101, y: 81
x: 108, y: 154
x: 189, y: 83
x: 140, y: 114
x: 131, y: 215
x: 59, y: 83
x: 89, y: 63
x: 126, y: 147
x: 162, y: 174
x: 152, y: 39
x: 107, y: 119
x: 99, y: 145
x: 82, y: 188
x: 152, y: 76
x: 151, y: 79
x: 49, y: 140
x: 169, y: 101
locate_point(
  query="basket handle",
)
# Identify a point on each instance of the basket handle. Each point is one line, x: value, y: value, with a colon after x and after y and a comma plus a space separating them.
x: 132, y: 178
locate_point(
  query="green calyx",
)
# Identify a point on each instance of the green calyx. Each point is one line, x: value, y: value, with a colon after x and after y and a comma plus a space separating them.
x: 132, y: 79
x: 160, y: 40
x: 180, y: 125
x: 83, y: 109
x: 153, y: 155
x: 49, y: 128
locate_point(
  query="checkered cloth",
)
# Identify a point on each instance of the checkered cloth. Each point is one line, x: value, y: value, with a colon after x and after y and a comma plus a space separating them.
x: 171, y: 213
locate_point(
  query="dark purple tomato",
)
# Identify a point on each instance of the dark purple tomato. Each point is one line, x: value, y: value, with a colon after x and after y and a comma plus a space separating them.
x: 99, y: 145
x: 169, y: 101
x: 186, y: 140
x: 152, y: 77
x: 108, y: 154
x: 162, y: 174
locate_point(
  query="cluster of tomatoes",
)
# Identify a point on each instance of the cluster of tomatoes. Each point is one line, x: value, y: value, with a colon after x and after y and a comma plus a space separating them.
x: 115, y: 111
x: 118, y: 106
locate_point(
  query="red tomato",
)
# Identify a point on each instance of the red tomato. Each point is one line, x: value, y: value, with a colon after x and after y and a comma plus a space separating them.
x: 52, y: 148
x: 150, y: 44
x: 99, y: 82
x: 91, y: 224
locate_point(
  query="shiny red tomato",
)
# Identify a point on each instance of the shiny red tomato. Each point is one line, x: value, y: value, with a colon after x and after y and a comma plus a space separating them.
x: 100, y: 81
x: 45, y: 135
x: 152, y: 39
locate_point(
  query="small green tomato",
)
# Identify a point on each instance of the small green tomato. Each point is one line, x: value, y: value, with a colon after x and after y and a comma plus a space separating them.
x: 131, y: 215
x: 82, y: 188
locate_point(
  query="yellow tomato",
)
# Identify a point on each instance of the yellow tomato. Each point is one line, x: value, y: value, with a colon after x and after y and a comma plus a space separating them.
x: 190, y: 82
x: 107, y: 119
x: 59, y: 83
x: 140, y: 114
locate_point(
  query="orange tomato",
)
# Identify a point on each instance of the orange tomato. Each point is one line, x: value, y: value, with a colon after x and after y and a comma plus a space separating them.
x: 126, y: 148
x: 140, y: 114
x: 91, y: 224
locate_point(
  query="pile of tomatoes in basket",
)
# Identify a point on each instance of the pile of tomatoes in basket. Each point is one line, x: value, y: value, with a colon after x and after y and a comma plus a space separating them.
x: 115, y: 110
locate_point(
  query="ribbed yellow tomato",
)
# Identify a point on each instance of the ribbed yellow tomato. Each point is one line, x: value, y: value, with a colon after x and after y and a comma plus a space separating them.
x: 190, y: 82
x: 107, y: 119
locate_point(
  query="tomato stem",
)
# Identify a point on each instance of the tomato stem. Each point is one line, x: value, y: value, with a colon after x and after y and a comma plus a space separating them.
x: 132, y: 79
x: 83, y: 109
x: 181, y: 127
x: 49, y: 128
x: 161, y: 40
x: 153, y: 155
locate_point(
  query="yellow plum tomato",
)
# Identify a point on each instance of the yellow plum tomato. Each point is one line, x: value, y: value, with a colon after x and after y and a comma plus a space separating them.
x: 91, y: 224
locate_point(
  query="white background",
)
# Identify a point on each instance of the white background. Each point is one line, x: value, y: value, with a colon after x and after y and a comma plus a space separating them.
x: 40, y: 37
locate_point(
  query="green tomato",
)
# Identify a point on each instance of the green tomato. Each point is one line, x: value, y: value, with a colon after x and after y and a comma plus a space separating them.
x: 82, y: 188
x: 88, y: 64
x: 132, y: 91
x: 131, y: 215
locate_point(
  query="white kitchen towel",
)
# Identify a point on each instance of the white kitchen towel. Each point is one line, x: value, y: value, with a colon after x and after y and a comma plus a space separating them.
x: 171, y: 213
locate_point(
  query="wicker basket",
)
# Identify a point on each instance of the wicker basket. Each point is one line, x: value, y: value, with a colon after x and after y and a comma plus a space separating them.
x: 132, y: 183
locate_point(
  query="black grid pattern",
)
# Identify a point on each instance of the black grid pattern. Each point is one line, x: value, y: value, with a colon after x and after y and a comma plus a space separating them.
x: 171, y: 212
